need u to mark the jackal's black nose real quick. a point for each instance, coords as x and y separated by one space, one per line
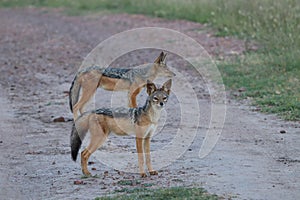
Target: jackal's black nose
161 103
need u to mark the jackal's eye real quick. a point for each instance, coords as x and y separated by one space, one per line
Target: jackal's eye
165 99
155 99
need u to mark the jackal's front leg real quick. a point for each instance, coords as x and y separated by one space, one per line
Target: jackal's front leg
148 157
132 94
139 148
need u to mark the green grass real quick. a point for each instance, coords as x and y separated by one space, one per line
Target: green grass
274 89
162 194
270 76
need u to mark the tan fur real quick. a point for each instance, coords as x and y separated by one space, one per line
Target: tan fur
91 80
100 125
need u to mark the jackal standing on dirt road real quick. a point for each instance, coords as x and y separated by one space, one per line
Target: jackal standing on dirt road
114 79
141 121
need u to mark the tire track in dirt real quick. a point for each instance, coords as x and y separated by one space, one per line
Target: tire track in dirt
10 140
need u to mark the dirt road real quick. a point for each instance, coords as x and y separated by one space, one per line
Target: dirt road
40 51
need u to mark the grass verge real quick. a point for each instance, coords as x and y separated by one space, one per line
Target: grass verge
270 76
270 87
162 194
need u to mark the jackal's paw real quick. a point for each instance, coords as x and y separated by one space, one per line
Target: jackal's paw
86 173
143 175
153 172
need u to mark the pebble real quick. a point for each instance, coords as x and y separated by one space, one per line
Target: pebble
79 182
282 131
242 89
120 173
59 119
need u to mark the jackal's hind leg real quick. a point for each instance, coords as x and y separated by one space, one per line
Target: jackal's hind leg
85 154
98 136
88 88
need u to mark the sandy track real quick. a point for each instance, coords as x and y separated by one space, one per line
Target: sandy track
40 52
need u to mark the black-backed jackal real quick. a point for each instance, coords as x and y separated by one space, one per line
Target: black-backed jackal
114 79
141 121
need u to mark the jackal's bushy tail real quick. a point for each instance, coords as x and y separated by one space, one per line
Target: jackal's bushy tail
79 130
74 93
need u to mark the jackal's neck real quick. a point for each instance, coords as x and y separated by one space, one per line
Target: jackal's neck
150 72
153 114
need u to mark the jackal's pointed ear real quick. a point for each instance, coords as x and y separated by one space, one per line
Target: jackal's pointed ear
150 87
161 58
167 86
